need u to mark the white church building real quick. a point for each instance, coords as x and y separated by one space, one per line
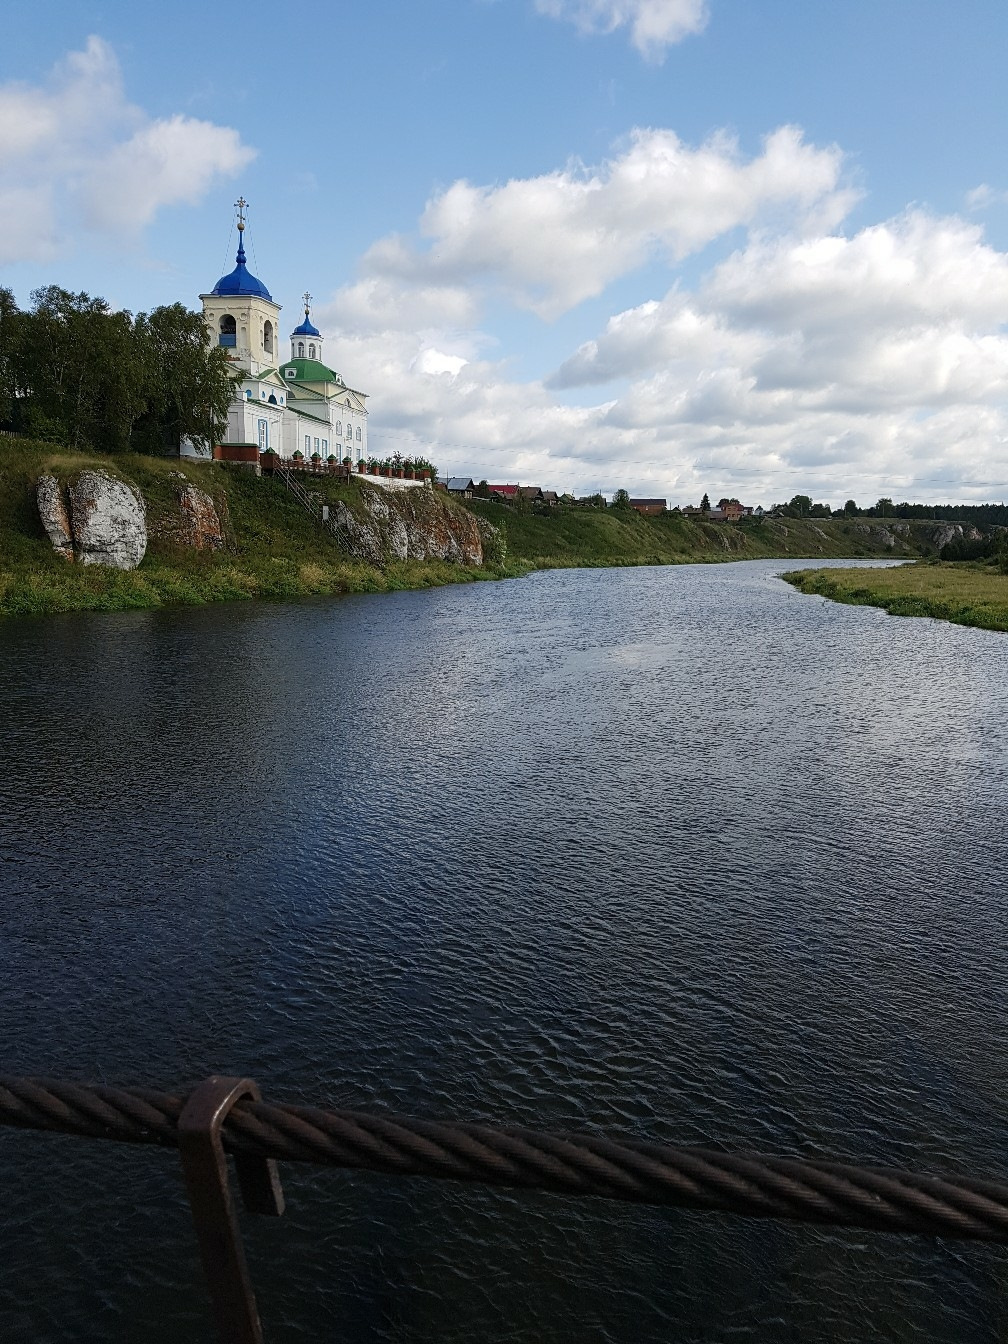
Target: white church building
300 406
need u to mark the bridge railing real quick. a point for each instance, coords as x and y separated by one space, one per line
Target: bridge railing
224 1116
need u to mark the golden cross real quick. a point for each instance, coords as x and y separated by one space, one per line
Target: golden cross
307 302
241 205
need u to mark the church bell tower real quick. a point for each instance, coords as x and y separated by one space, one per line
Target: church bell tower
240 314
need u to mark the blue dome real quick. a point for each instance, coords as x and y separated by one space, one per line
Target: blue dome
241 281
306 329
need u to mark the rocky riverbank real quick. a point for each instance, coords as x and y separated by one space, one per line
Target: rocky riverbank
81 533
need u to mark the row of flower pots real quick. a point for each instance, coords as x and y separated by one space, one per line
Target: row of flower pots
400 473
318 463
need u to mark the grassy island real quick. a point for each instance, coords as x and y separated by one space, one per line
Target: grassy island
966 593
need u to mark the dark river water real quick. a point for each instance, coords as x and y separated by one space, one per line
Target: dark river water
673 852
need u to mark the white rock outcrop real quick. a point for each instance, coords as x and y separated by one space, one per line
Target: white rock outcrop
108 520
55 517
416 525
98 520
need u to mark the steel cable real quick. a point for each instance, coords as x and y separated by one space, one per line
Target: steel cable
747 1184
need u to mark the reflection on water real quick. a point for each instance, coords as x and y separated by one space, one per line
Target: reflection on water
678 852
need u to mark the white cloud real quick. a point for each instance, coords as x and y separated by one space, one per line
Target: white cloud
75 150
655 25
808 359
552 241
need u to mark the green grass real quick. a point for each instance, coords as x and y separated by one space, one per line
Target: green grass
968 594
274 550
600 537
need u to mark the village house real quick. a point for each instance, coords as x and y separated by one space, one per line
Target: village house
460 486
506 493
649 506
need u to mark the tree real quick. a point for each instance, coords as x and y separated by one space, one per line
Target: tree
73 371
189 383
800 506
850 508
8 328
621 499
705 504
884 507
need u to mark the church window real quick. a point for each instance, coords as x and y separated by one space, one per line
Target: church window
325 447
338 428
228 331
307 444
311 352
268 338
316 445
248 394
300 349
358 432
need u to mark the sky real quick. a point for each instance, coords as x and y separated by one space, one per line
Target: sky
751 248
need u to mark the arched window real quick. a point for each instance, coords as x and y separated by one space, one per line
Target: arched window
268 338
311 352
228 330
300 349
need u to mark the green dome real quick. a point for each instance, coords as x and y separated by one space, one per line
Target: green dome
308 371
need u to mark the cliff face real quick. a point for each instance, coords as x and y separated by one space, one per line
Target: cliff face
98 520
417 525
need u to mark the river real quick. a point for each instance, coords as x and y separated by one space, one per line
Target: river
673 852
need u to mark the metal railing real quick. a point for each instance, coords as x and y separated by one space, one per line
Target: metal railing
227 1116
311 504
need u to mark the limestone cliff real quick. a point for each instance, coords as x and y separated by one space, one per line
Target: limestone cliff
417 525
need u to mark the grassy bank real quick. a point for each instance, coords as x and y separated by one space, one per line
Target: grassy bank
968 594
274 549
601 537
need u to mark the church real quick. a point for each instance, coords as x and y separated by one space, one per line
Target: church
298 407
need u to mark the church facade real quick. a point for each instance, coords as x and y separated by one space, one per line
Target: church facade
292 406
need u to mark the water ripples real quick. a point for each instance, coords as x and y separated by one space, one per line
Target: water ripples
677 852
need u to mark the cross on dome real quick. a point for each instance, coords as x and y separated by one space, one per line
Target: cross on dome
307 327
241 280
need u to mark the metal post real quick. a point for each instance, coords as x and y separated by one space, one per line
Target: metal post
204 1167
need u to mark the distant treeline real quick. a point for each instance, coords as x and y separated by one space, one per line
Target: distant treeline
982 516
74 372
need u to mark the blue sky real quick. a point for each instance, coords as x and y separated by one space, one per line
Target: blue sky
747 248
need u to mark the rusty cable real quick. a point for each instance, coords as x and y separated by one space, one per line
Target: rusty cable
747 1184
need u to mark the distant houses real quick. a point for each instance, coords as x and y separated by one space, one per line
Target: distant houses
648 506
727 511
